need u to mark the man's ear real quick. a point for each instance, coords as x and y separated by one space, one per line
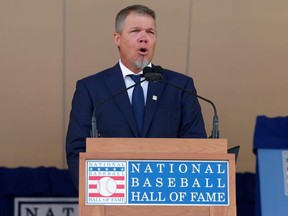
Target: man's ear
117 39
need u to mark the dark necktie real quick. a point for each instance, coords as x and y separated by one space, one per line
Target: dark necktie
138 103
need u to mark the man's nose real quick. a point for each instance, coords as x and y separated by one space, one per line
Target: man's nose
143 38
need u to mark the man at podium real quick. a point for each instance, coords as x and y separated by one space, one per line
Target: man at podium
149 109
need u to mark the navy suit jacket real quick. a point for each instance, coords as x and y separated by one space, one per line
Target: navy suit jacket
169 112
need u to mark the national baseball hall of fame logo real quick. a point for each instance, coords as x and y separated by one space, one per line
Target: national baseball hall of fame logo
157 182
105 182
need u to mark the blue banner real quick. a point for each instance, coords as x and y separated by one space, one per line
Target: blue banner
157 182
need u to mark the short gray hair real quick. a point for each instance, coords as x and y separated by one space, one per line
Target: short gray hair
139 9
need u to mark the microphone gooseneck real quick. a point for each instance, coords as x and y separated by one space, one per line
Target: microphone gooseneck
155 74
94 129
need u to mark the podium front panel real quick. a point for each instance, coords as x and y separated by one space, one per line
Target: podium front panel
157 149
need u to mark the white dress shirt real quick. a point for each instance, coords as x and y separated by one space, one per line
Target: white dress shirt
129 82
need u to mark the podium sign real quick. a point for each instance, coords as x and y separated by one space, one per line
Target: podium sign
157 182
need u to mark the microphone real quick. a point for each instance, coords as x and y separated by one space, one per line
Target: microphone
155 74
94 129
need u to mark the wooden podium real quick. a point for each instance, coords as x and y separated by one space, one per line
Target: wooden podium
156 149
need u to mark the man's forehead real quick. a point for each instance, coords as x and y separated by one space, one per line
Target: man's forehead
135 20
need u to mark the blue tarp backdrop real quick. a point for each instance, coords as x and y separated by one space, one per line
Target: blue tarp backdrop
270 139
33 182
53 182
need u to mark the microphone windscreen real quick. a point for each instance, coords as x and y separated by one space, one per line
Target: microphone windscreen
151 75
158 69
147 70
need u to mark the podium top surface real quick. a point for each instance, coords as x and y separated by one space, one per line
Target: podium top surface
156 145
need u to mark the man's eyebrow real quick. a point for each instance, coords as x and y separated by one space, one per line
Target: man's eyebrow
137 27
153 29
133 28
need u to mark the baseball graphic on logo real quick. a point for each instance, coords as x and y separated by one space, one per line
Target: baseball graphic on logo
106 186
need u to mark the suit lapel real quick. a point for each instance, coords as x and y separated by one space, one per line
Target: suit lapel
115 84
155 90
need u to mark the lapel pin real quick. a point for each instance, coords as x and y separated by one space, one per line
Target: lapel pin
154 97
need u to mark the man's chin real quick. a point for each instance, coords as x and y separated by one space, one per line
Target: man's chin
141 63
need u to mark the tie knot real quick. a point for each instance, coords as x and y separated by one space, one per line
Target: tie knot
136 78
